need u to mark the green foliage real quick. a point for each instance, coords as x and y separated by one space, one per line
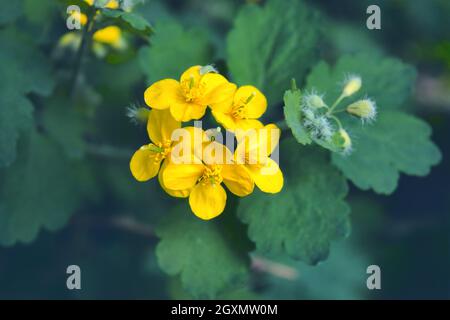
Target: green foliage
395 142
388 81
293 115
37 191
268 46
341 276
173 50
133 21
294 119
209 256
306 215
66 126
10 11
25 71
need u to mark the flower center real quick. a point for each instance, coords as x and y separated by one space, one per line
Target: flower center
239 108
211 175
161 150
192 91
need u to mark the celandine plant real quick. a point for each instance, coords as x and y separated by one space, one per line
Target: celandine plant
265 173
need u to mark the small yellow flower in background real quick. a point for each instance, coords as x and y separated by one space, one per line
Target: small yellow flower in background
247 106
207 198
254 150
151 158
111 4
188 98
111 35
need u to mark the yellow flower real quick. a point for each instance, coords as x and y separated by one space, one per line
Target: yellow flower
188 98
111 4
254 150
248 104
151 158
111 35
207 198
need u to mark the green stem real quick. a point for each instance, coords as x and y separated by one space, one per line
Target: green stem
86 37
330 110
336 120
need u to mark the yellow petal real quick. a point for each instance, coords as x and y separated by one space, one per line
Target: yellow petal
246 124
221 99
268 178
143 164
70 39
273 137
188 145
259 143
191 76
182 176
186 111
237 179
112 4
162 94
224 119
217 91
207 200
173 193
110 35
255 101
216 153
160 125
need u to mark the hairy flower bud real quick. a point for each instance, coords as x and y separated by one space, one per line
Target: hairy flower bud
343 141
314 101
138 114
352 85
365 109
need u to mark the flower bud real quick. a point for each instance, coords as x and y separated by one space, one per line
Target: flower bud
314 101
343 141
138 114
352 85
365 109
208 69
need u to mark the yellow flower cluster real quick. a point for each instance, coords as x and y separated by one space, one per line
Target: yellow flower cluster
109 36
190 162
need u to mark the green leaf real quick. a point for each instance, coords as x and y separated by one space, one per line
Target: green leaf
210 256
294 116
24 70
134 21
270 45
173 50
388 81
292 113
306 215
396 142
38 191
66 126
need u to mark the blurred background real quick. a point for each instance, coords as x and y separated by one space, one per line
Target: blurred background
111 236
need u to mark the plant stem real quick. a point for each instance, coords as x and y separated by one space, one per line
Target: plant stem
337 120
330 110
85 40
